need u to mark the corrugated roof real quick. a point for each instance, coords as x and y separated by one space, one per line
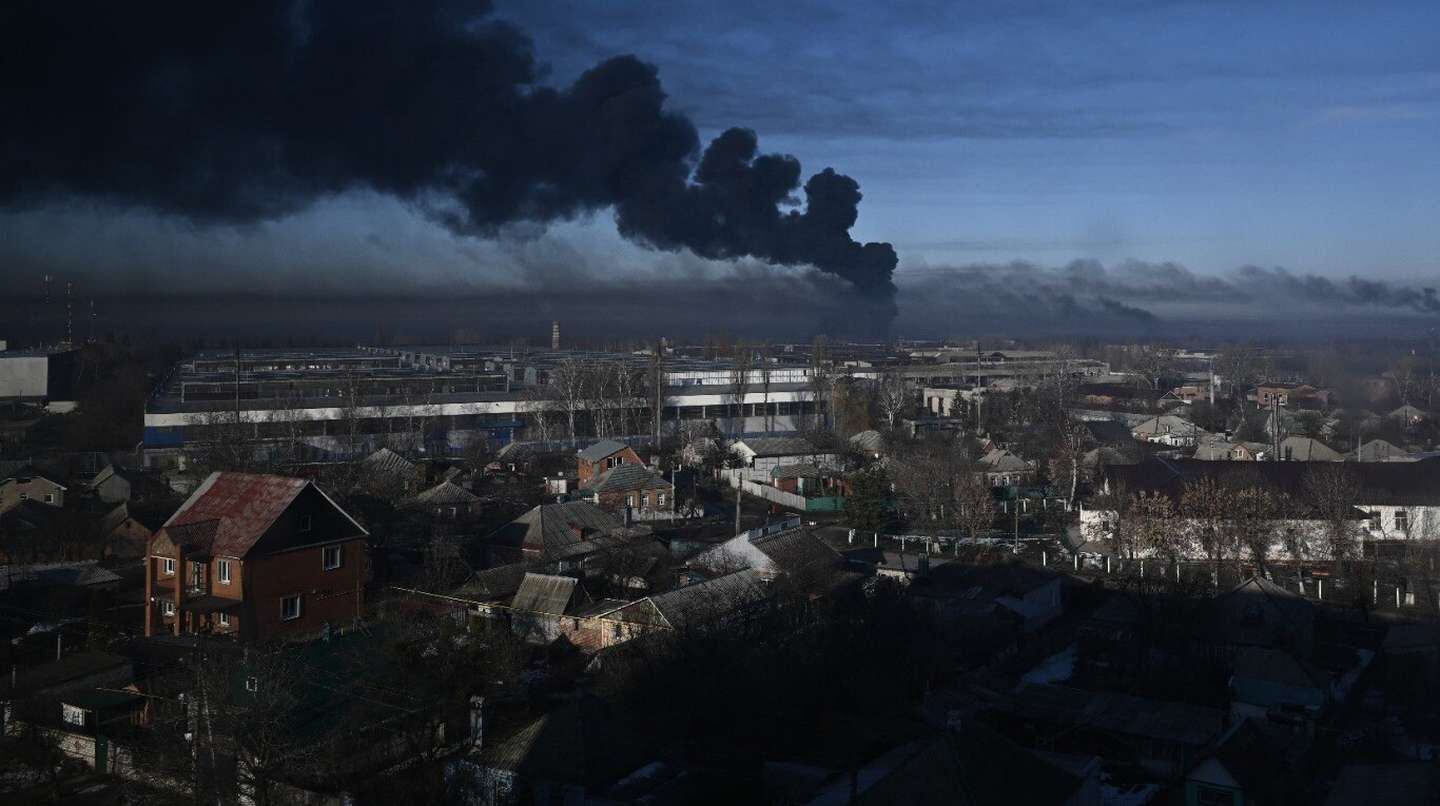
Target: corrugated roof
447 493
1162 720
626 478
544 593
802 470
549 528
229 512
601 449
390 463
780 446
694 604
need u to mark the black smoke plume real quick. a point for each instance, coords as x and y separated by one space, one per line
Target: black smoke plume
237 112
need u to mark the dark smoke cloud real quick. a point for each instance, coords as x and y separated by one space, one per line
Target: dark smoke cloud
1127 288
240 112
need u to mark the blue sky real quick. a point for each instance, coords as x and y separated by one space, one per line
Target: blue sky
1220 134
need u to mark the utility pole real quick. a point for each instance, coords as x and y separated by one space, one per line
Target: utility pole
658 371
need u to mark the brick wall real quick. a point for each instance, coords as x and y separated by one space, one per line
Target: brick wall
325 596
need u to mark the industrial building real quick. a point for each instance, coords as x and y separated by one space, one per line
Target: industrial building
339 403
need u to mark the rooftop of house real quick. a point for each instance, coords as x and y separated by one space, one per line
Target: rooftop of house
389 463
697 603
549 528
230 512
628 478
545 593
446 493
799 470
601 449
999 460
778 446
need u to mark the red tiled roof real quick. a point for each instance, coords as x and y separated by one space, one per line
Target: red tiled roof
242 506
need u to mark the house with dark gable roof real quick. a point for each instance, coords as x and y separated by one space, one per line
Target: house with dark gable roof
257 557
603 456
635 490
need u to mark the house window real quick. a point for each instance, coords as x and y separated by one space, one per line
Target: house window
73 715
305 523
197 570
660 499
24 496
630 501
252 684
223 619
49 498
1402 520
332 558
222 571
168 565
290 607
167 608
1373 524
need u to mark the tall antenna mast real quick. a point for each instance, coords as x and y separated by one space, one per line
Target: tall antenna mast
69 314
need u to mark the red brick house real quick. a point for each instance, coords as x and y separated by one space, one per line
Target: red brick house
607 454
647 495
256 557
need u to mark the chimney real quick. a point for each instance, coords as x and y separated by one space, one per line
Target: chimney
555 335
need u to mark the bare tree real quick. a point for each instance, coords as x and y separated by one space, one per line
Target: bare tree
1153 363
1204 504
1331 493
568 378
742 361
1148 523
894 395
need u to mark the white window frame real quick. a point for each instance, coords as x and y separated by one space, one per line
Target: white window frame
167 566
630 500
167 608
325 558
1401 519
252 684
223 619
222 571
299 607
72 714
659 499
24 496
49 498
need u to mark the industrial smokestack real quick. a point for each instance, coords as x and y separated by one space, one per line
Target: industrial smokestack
555 335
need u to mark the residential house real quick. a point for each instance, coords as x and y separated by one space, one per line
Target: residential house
447 500
546 530
602 457
1409 415
1307 449
1378 450
1003 468
257 557
1257 613
949 401
686 608
123 535
907 566
389 473
1013 592
870 444
809 480
1262 679
787 548
763 454
634 491
540 604
1112 395
1292 395
31 484
1168 429
1247 767
1221 450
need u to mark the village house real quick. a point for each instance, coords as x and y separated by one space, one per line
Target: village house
31 484
1168 429
447 500
1292 395
545 531
1003 468
256 557
602 457
633 491
761 455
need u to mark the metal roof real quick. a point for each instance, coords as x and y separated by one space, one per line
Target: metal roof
544 593
625 478
601 449
229 512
